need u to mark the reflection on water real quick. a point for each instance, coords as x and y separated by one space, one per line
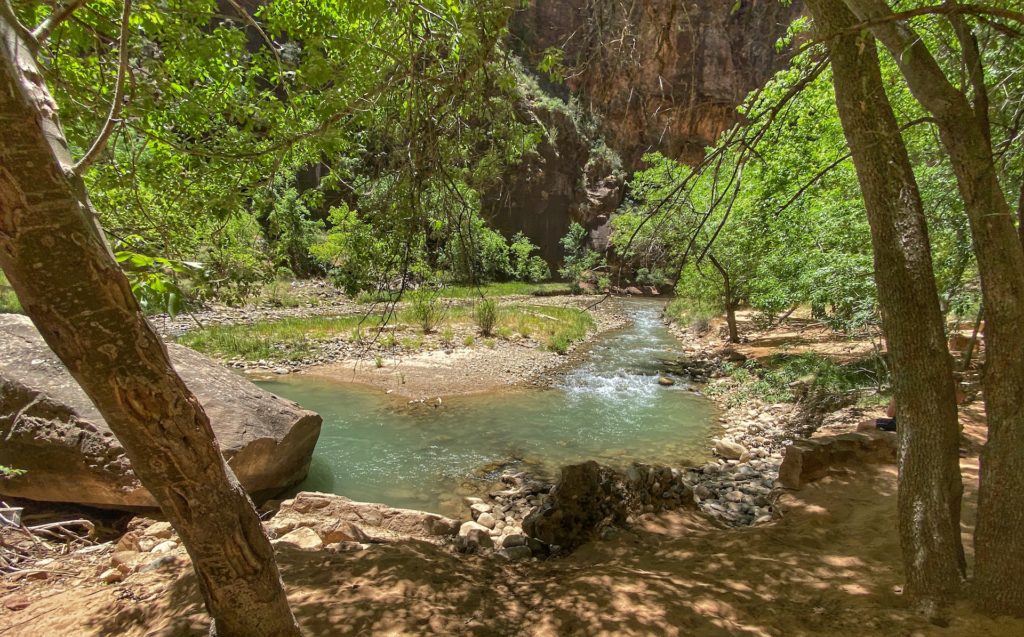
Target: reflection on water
610 408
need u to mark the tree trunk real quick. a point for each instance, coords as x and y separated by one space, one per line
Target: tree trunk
965 133
930 486
730 304
61 268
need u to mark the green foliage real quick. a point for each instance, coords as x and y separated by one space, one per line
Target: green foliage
426 309
523 264
580 261
775 379
486 313
8 472
222 129
787 223
8 299
155 280
291 232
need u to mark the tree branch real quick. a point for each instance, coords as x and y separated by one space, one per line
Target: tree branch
118 99
8 12
42 32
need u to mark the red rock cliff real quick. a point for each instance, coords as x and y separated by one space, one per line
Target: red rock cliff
663 74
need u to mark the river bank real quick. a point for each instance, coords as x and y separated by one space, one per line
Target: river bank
824 560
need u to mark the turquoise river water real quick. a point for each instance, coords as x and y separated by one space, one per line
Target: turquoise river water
609 408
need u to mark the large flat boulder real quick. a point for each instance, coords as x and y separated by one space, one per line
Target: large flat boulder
51 429
335 515
811 459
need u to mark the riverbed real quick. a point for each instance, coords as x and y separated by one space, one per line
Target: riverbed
609 407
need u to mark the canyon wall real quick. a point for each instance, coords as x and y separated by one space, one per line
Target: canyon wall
662 74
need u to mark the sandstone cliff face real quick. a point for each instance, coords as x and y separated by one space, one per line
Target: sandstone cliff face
664 74
568 177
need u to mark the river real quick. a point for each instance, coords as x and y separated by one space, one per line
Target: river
609 408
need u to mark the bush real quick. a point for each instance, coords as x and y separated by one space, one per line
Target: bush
487 316
426 309
580 261
525 266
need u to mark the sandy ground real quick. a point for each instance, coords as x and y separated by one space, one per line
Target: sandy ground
508 362
445 373
829 566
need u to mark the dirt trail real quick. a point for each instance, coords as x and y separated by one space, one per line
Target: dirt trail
830 566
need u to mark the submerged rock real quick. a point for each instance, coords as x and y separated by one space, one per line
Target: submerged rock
51 429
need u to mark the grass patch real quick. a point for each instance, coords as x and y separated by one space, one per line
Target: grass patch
288 339
776 378
557 327
509 288
695 317
294 339
279 293
8 300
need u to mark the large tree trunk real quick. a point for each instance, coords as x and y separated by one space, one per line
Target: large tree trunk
965 133
65 276
930 486
730 305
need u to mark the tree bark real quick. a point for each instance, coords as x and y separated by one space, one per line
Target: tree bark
730 305
60 266
930 486
965 133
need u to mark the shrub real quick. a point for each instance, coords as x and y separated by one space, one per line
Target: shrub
559 342
426 309
487 316
447 337
525 266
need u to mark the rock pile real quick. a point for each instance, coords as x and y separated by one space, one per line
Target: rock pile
533 518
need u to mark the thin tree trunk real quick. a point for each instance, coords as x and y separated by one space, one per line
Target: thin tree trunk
965 133
930 486
730 305
61 268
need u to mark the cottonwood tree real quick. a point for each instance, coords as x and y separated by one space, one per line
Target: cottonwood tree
930 486
65 276
964 129
202 106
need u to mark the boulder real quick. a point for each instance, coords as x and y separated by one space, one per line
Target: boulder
586 497
303 538
515 553
473 536
322 512
52 430
729 450
811 459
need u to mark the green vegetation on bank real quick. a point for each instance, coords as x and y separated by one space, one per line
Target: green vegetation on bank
296 339
789 377
486 290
